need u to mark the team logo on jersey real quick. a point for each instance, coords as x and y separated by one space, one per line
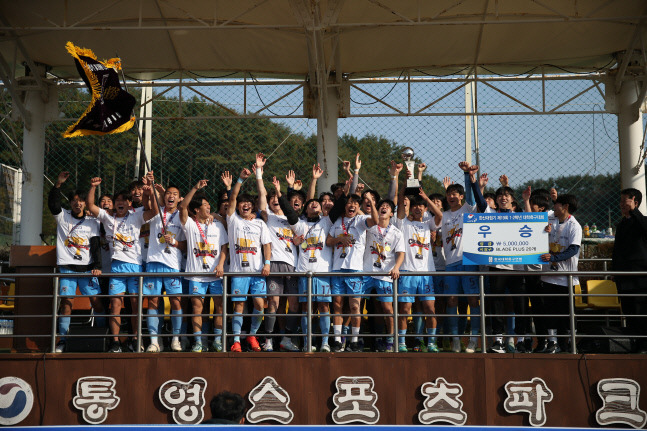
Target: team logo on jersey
378 250
125 240
313 244
16 400
286 235
244 247
78 244
203 250
419 241
453 234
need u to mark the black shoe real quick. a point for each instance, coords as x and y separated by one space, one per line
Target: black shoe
335 346
552 347
353 347
497 347
528 344
379 345
521 347
541 347
115 347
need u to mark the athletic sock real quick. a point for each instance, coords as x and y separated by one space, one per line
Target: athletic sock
336 329
355 330
431 331
270 321
236 325
257 318
153 322
324 327
401 338
176 321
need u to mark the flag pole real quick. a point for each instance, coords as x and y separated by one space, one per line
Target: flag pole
142 150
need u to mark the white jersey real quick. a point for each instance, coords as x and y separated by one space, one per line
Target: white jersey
203 256
351 257
122 234
315 255
452 233
158 250
561 236
383 244
73 238
144 236
417 244
283 248
246 238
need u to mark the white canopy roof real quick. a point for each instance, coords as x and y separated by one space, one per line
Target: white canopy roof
155 38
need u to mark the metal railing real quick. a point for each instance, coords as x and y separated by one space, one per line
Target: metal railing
483 296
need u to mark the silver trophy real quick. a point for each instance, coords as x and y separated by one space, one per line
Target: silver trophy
412 182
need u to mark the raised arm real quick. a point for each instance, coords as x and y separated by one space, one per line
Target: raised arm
402 213
358 166
394 172
184 204
421 170
244 174
153 208
526 199
483 180
432 207
316 174
54 197
94 210
260 186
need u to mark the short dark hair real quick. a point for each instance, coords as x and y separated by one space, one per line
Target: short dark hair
354 198
542 201
376 195
227 405
246 197
330 195
541 192
389 202
489 195
105 195
82 194
633 193
336 187
569 200
173 186
416 200
455 188
125 194
136 184
196 202
298 193
441 198
504 191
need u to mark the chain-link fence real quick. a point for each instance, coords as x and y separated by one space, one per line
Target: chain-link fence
203 127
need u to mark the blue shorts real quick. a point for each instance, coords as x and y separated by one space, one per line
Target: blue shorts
320 289
381 288
439 284
119 285
153 285
247 286
202 287
347 284
467 284
88 286
415 285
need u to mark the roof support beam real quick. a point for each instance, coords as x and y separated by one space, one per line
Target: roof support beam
7 77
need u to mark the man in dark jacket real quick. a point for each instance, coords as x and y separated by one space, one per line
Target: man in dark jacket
226 408
630 254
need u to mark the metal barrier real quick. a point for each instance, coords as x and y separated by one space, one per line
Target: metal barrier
483 296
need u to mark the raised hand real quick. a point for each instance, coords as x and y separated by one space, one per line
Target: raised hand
62 177
201 184
317 172
465 167
298 185
422 167
447 182
473 169
553 194
483 180
359 189
423 194
245 173
526 194
94 182
290 178
276 183
503 179
260 160
358 162
160 188
346 165
227 179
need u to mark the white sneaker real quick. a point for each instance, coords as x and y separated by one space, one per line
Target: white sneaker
288 346
176 346
325 348
313 349
60 347
268 346
456 345
153 348
471 346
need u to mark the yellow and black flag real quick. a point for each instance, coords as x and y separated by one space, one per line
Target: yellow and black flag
111 107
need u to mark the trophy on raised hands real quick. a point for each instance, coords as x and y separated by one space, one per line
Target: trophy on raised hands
413 185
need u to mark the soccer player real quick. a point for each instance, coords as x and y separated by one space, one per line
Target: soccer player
122 233
207 247
348 239
77 251
315 256
387 251
166 245
565 239
248 237
284 259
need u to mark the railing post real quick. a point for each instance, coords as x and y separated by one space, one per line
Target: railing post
482 314
54 315
309 313
571 307
140 296
396 317
225 286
